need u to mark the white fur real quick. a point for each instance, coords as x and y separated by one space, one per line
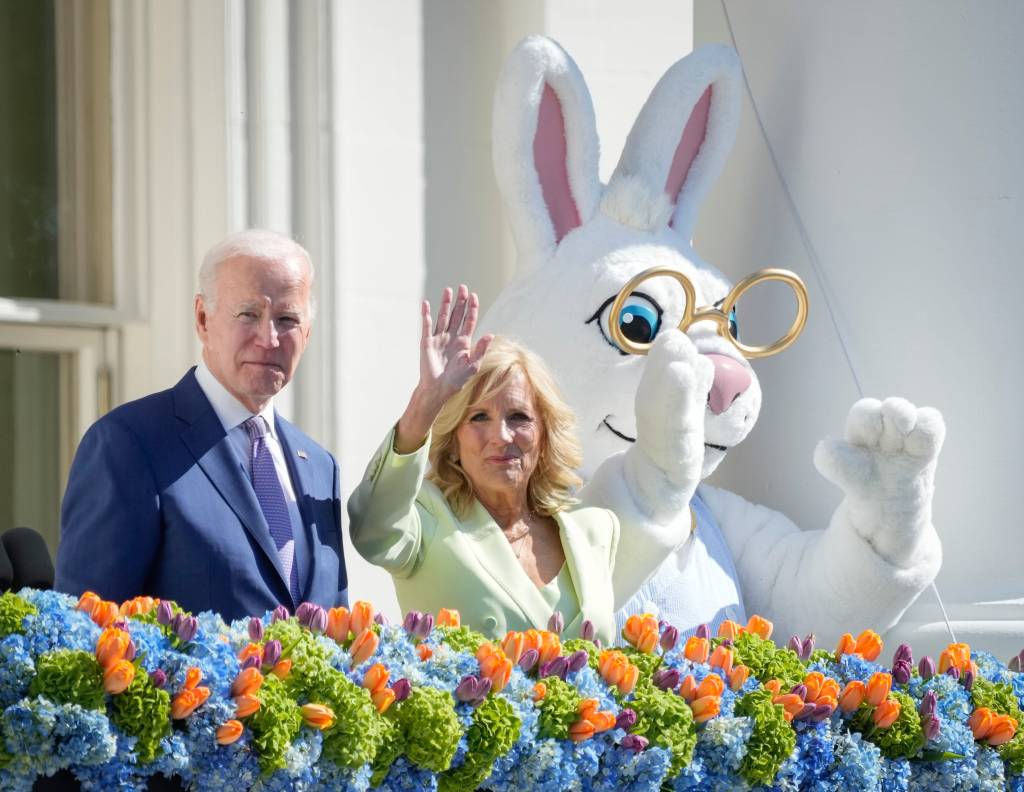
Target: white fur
879 549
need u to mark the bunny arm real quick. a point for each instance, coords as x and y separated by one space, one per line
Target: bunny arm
828 581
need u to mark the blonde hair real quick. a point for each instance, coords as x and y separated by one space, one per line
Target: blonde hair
554 480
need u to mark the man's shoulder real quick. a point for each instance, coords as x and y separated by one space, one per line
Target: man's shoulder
303 443
144 416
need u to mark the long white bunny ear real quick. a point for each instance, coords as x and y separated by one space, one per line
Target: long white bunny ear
545 146
681 138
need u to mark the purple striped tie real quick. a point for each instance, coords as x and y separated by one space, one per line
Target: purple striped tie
271 497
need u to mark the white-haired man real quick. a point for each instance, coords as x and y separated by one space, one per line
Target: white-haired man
203 494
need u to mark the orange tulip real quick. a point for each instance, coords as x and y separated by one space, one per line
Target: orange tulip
193 677
581 730
981 722
587 707
448 617
1002 731
629 679
532 639
88 602
514 645
697 649
711 685
494 665
886 713
118 677
250 650
550 647
760 626
790 702
639 629
688 688
602 721
721 658
111 646
813 682
852 696
383 698
878 688
229 732
738 677
705 708
774 685
424 651
869 645
318 716
364 646
729 629
376 677
361 616
338 624
847 645
648 641
611 665
282 669
540 690
105 613
246 705
188 701
249 680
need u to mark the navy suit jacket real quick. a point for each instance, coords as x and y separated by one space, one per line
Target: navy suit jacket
158 503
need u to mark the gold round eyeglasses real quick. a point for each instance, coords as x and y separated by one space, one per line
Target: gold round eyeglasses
719 315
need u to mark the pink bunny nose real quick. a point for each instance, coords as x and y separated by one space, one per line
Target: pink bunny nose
731 379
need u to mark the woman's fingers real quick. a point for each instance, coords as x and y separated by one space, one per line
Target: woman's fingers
472 309
442 313
425 322
458 312
480 348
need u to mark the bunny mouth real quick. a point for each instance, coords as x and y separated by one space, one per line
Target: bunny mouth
629 439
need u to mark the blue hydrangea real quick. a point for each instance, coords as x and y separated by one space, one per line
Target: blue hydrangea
626 771
16 669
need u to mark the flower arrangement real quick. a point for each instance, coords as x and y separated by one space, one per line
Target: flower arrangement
340 699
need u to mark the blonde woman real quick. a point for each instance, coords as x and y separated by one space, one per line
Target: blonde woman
468 503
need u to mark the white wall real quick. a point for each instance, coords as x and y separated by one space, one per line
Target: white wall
897 128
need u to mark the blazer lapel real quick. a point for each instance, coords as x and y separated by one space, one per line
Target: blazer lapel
205 438
592 590
496 557
302 473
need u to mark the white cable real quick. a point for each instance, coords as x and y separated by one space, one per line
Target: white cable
812 257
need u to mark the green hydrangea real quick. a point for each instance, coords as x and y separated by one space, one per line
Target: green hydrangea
999 697
13 610
767 661
575 644
70 677
143 711
665 719
462 639
647 662
275 724
297 642
771 741
903 739
559 709
494 731
430 728
391 747
825 656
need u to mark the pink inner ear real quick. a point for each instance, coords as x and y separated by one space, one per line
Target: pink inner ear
549 158
689 145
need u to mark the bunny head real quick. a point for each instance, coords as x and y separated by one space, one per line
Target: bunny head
579 241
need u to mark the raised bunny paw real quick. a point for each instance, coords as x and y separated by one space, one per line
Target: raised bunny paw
886 467
670 405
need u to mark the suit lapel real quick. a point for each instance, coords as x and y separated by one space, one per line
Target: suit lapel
302 474
210 446
595 604
497 559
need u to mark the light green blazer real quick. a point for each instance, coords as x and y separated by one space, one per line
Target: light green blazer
403 523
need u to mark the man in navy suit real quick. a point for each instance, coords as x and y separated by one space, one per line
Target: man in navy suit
202 494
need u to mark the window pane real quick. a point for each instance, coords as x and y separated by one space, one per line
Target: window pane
30 441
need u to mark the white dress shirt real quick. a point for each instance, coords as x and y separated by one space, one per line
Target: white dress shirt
233 415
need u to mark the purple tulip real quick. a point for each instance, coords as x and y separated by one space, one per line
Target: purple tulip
271 653
903 653
466 689
411 620
669 638
158 678
425 626
954 672
926 668
252 661
1016 662
634 743
304 613
556 623
318 620
666 678
164 613
968 679
726 642
578 660
901 672
800 690
587 631
255 630
928 704
528 659
703 631
281 613
626 719
380 618
822 712
796 645
129 653
931 726
808 646
806 712
186 629
558 667
402 688
483 687
120 624
598 643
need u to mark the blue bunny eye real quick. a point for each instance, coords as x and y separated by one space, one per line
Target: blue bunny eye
734 329
639 319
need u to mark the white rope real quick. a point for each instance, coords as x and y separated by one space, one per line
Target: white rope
812 257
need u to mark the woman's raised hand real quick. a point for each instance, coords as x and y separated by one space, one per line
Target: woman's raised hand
448 358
